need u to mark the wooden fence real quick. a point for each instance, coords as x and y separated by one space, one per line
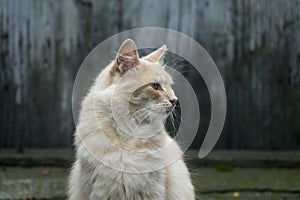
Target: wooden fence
255 44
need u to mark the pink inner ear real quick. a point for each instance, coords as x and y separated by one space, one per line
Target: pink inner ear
127 57
125 64
128 49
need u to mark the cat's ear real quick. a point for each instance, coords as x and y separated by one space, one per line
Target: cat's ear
156 56
127 57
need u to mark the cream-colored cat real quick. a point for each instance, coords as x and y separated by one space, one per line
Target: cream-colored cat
122 149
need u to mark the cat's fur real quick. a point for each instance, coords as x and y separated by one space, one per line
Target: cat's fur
117 164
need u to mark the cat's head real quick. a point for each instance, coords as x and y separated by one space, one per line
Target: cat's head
146 81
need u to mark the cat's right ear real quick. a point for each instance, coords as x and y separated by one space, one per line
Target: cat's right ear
127 57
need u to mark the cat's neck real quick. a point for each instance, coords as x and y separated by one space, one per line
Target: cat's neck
138 140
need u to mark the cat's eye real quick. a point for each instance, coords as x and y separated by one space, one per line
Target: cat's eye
155 86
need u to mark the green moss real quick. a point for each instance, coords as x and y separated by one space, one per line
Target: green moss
224 167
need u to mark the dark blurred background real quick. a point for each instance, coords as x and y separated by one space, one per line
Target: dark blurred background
255 44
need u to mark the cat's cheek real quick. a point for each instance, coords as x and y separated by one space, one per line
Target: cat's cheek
155 96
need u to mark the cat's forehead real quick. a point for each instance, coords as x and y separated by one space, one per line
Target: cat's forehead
156 72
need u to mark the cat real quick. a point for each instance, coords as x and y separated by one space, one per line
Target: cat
123 151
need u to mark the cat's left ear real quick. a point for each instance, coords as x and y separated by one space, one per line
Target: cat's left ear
156 56
127 57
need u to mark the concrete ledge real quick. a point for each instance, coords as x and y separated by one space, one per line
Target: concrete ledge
222 175
253 159
245 159
210 184
37 157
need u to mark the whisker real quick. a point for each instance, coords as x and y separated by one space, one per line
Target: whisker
143 118
140 110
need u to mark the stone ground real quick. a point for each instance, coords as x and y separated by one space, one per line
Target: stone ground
221 176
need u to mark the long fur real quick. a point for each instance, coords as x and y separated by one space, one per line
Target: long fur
114 165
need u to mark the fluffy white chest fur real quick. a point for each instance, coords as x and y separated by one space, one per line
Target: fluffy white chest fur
112 165
90 179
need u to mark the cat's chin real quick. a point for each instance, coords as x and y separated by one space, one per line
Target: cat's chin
143 130
153 121
169 111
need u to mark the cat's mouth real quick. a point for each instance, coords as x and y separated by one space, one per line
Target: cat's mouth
169 109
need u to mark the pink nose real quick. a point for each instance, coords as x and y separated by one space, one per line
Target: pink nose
173 101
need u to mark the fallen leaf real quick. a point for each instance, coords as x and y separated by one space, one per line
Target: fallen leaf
46 172
236 194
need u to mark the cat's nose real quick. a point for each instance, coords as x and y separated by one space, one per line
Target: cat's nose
173 101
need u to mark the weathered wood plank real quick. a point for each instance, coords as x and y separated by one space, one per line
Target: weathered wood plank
255 44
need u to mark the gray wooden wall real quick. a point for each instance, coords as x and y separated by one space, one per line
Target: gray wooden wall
255 44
